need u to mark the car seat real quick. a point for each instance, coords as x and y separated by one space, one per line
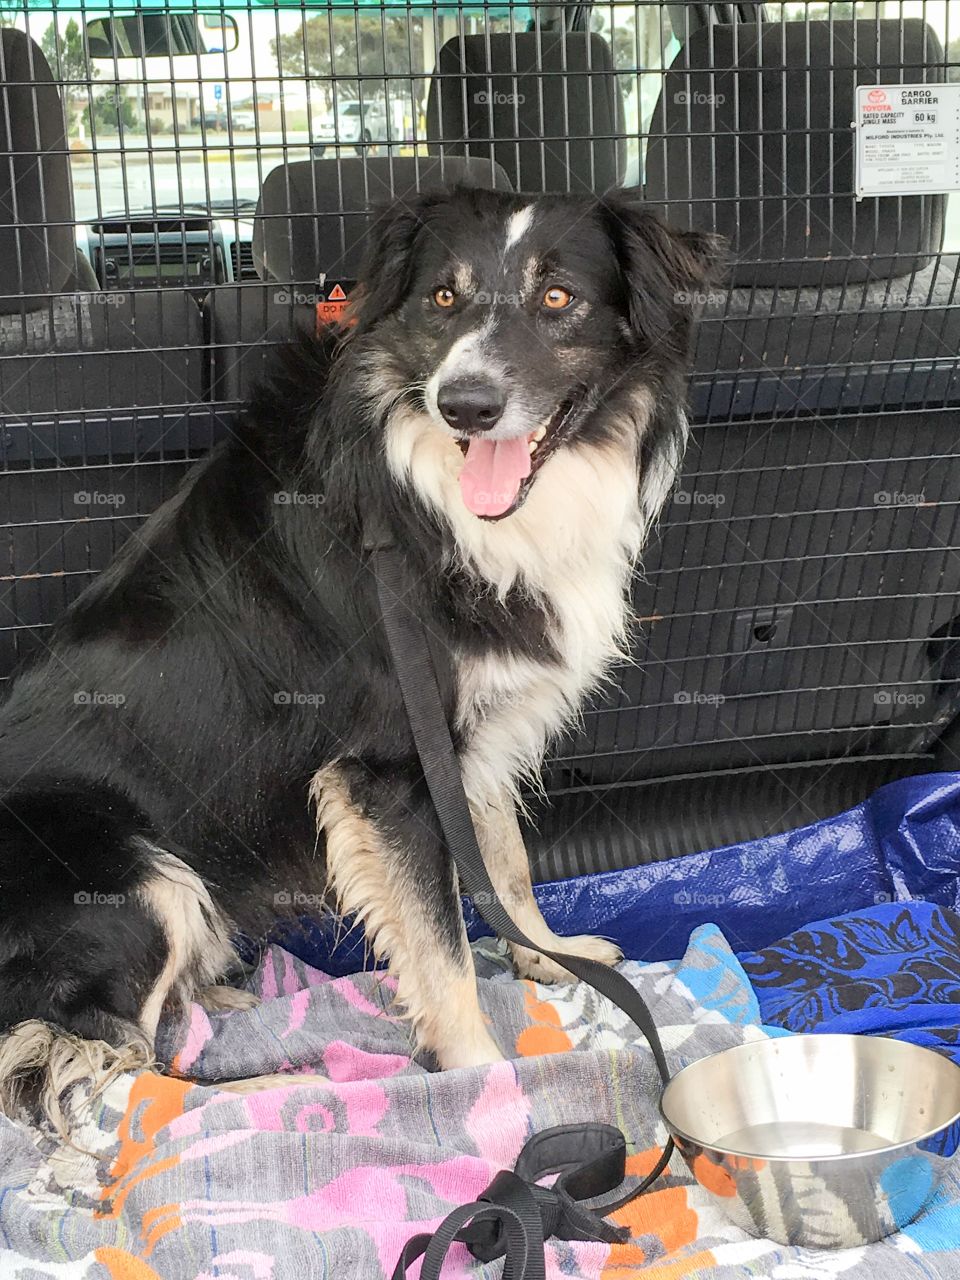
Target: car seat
545 105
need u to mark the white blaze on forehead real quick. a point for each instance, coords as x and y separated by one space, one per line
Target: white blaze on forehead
518 224
463 279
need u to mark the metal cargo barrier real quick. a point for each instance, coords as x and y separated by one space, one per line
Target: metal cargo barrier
182 187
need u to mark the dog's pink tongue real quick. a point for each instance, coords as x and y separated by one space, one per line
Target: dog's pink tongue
493 473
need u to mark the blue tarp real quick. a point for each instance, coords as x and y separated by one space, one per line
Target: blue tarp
902 844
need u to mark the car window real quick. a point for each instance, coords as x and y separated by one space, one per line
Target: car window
644 42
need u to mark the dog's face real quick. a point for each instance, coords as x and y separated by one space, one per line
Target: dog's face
510 322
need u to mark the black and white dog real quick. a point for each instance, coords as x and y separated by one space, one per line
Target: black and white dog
215 727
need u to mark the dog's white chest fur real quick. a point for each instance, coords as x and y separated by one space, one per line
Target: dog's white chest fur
572 546
509 707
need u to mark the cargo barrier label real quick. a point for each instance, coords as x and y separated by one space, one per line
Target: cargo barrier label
907 139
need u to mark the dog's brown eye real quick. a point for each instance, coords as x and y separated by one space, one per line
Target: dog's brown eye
444 297
556 299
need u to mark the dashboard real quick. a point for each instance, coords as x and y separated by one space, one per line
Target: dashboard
166 250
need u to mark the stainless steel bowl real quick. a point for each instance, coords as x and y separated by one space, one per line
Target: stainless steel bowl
818 1140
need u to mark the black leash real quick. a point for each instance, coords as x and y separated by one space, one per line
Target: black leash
514 1216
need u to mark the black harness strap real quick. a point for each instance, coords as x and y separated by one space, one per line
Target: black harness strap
514 1216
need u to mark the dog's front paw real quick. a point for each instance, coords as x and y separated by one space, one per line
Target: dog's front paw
540 968
478 1050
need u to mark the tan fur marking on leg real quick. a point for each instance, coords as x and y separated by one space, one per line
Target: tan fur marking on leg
198 938
505 857
437 994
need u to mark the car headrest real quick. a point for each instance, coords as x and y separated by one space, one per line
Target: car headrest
751 137
312 217
38 252
546 106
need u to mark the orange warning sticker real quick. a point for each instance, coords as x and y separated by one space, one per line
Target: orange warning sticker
332 308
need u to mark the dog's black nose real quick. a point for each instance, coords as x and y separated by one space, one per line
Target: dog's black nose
469 404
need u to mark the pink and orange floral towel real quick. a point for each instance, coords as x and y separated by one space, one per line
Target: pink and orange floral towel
180 1180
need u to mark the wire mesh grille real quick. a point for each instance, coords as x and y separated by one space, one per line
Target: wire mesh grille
799 602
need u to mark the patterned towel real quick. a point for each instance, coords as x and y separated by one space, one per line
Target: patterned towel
181 1180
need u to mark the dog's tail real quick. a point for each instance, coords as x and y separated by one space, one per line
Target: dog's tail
99 927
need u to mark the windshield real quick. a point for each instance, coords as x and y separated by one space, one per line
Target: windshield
268 85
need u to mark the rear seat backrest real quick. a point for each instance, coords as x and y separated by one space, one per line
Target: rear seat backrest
38 253
312 217
309 232
751 137
545 105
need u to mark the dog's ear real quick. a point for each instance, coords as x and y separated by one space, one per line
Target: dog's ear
388 260
668 274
